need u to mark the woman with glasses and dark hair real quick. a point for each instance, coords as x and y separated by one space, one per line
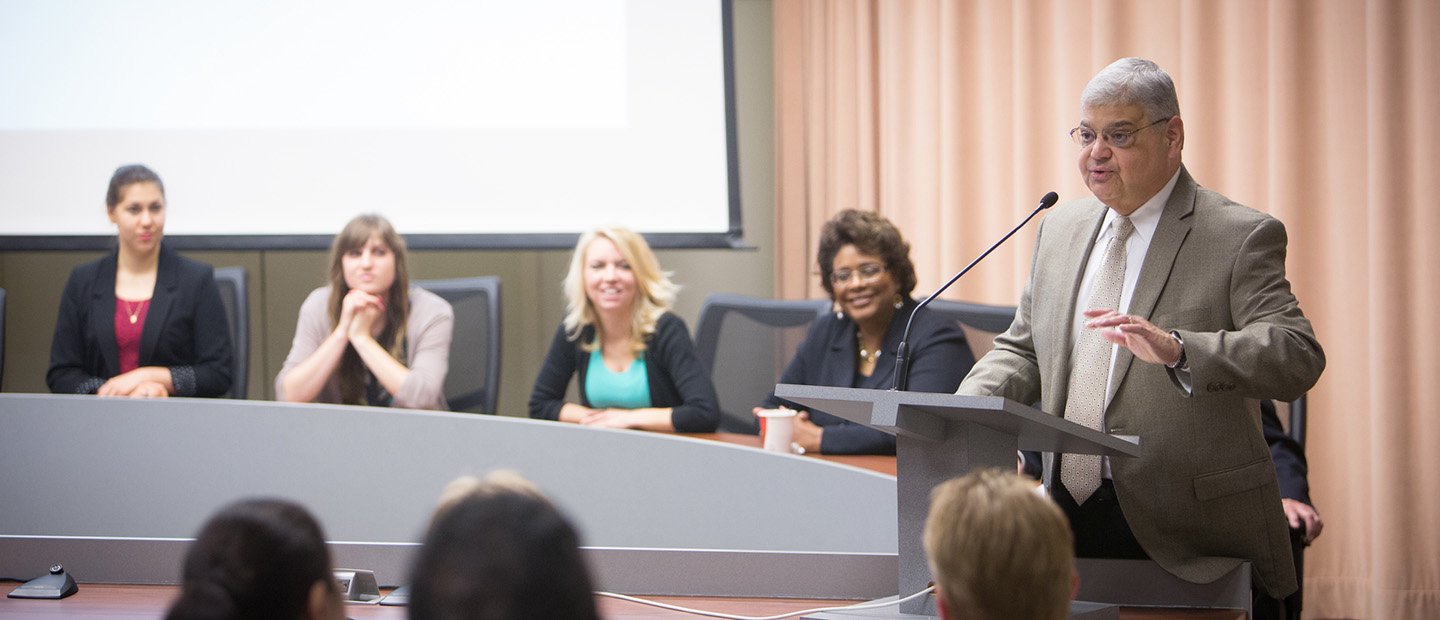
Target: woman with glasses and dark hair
865 266
369 338
144 321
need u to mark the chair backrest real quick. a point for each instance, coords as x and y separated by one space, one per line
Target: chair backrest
473 382
1296 426
2 338
745 343
234 296
981 322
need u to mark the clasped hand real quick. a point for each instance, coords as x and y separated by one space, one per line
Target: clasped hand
609 418
360 313
134 385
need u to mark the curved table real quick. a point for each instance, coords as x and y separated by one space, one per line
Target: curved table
115 489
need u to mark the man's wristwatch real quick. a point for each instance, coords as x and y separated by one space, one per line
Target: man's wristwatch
1183 363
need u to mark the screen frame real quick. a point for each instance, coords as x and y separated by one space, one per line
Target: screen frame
731 238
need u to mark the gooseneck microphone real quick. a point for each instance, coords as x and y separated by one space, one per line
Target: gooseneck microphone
902 353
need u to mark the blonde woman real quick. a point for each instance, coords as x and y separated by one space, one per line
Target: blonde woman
369 338
635 361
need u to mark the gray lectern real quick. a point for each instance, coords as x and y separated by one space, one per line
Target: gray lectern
940 436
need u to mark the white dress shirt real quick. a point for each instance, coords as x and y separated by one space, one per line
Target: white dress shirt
1145 219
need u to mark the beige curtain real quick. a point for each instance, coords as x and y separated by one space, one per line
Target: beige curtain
950 118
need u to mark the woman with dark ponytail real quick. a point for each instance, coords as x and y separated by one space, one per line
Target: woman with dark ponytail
259 558
143 321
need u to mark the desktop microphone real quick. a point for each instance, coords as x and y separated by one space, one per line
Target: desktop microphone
902 354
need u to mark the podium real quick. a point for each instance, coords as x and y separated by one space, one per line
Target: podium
940 436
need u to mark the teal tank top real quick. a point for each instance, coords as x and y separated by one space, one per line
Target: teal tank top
607 389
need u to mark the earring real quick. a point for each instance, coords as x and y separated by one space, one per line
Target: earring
839 315
899 301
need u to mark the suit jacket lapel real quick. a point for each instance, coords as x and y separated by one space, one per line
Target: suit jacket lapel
842 351
1078 242
102 313
167 283
1159 261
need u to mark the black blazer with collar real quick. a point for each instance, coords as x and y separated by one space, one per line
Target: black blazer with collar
939 359
185 329
677 378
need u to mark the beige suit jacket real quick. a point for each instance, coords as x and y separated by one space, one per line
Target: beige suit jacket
1203 494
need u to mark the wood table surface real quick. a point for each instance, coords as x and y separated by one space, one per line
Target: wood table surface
129 602
881 463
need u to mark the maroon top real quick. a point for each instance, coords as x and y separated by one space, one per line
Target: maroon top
129 323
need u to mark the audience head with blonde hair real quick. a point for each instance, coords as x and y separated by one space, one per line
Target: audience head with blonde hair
498 481
998 549
498 550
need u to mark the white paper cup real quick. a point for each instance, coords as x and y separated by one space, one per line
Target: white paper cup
777 429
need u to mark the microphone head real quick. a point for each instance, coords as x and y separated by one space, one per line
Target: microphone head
1049 200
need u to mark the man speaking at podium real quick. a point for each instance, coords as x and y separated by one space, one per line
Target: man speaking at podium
1159 309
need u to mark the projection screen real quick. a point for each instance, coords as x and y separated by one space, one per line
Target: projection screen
466 123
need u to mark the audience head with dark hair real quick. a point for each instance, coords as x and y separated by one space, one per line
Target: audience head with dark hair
498 550
259 558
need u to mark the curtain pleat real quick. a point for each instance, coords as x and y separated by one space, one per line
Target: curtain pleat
950 118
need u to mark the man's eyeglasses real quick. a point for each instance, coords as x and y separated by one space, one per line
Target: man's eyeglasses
867 272
1116 138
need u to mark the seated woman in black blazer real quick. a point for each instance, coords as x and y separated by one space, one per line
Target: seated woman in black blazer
865 266
635 360
142 321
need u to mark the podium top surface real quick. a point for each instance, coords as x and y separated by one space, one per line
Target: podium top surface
927 415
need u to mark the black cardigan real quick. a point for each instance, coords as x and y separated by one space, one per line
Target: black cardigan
939 359
185 329
677 379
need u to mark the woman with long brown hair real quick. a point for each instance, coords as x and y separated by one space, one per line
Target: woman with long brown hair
369 338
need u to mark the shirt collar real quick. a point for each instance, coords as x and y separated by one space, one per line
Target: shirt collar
1147 218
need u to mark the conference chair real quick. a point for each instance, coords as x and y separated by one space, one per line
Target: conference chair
473 382
235 297
2 338
1295 428
981 322
1296 425
745 343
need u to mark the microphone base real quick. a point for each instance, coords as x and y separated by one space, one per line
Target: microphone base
51 586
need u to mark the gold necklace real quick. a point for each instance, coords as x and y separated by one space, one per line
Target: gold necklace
134 311
869 357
